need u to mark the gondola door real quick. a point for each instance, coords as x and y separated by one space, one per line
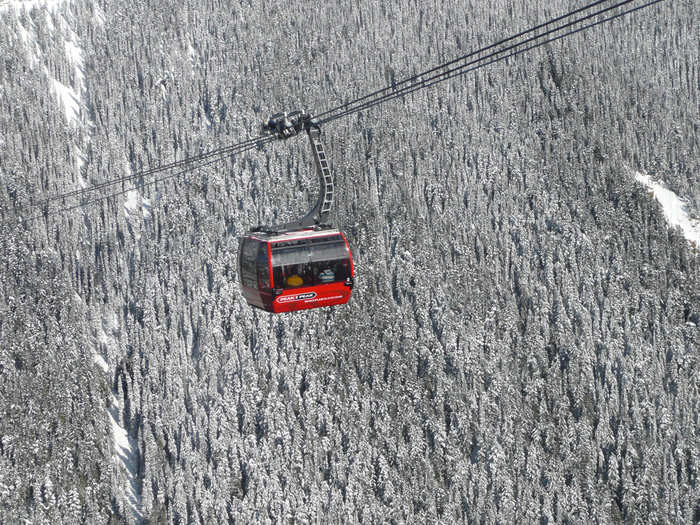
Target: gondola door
254 272
264 275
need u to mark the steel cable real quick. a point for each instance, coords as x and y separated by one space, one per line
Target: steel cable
404 87
464 57
220 152
496 56
58 211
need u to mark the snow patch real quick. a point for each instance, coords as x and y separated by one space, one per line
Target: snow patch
100 361
99 16
674 209
80 160
66 94
134 206
68 99
134 201
124 447
24 35
191 51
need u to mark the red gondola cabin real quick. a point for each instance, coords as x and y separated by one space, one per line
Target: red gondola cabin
296 270
303 264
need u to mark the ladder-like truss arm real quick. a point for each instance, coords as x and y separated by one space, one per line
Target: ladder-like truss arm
321 211
286 126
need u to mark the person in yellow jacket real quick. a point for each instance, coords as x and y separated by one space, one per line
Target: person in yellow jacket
294 281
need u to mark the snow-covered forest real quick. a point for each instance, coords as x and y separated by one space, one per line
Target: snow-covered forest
522 341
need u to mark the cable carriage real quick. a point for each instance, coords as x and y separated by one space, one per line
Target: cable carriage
304 264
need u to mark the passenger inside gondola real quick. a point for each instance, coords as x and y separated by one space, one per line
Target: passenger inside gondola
294 281
311 274
326 276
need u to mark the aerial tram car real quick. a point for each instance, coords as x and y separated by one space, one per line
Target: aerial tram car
303 264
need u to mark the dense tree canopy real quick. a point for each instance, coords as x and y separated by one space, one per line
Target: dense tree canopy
522 340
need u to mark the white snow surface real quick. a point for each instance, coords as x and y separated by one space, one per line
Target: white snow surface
134 202
674 209
124 447
68 98
99 16
100 361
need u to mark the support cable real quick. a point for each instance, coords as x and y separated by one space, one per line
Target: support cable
496 56
414 83
57 211
459 59
219 153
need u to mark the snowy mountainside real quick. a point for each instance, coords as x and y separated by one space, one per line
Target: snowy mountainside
521 345
49 45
